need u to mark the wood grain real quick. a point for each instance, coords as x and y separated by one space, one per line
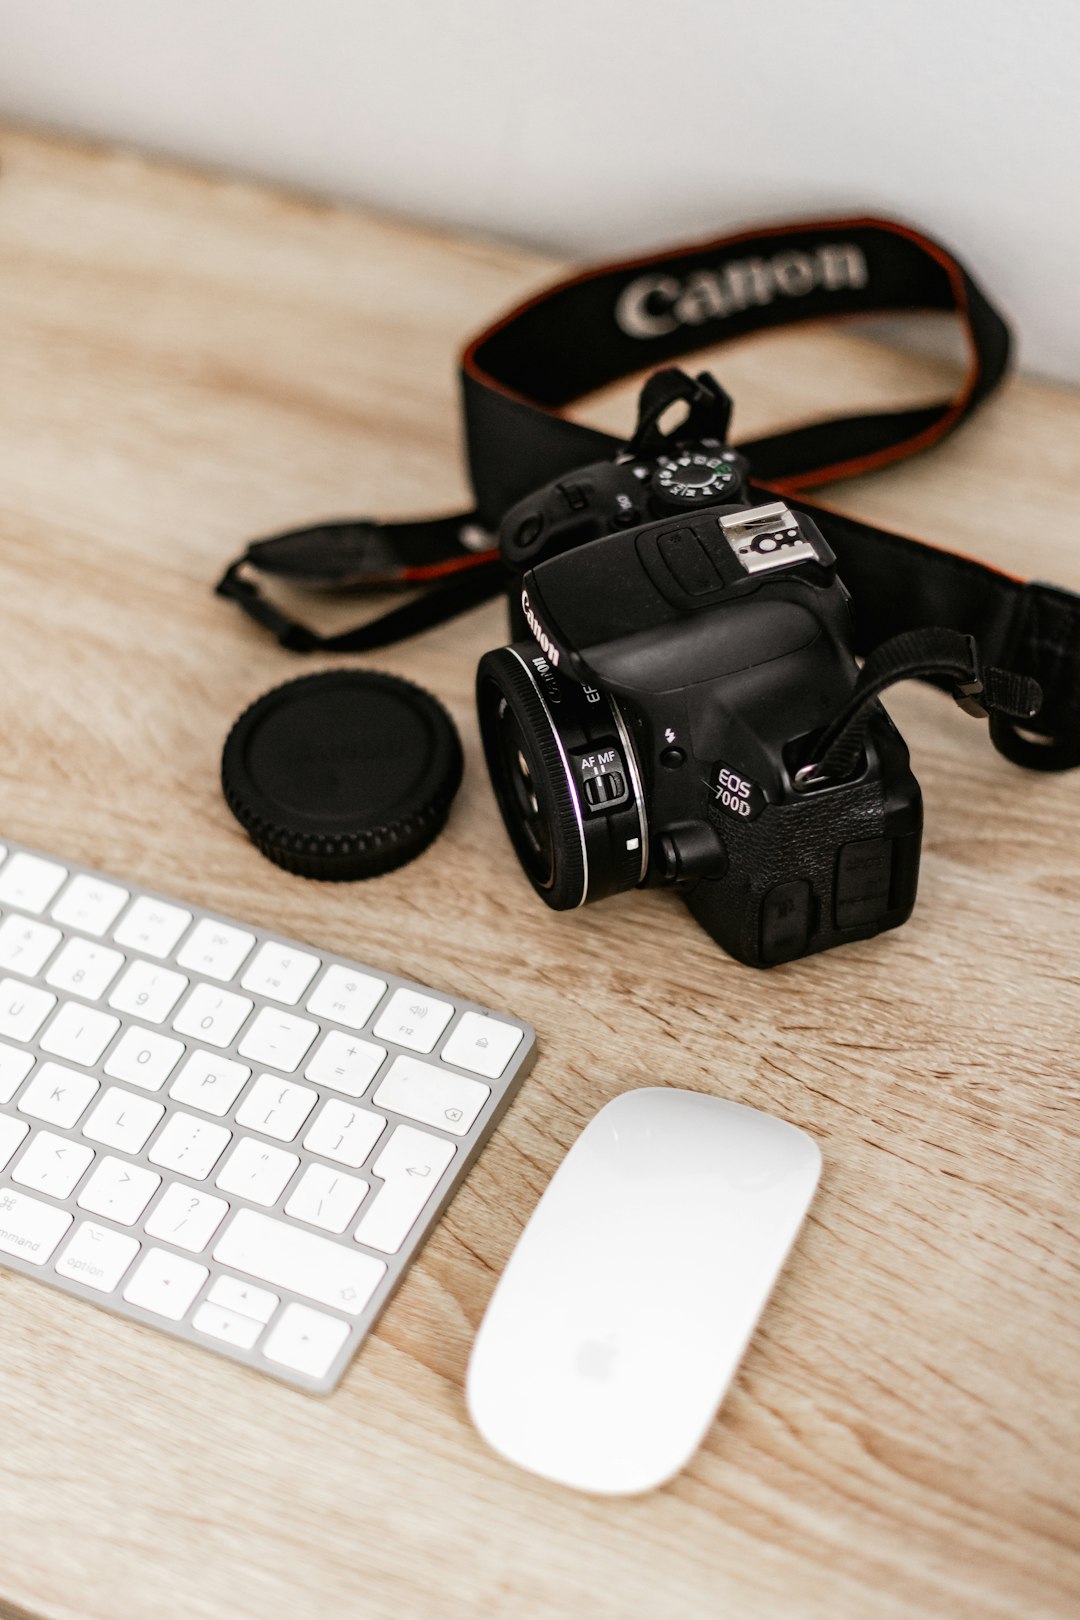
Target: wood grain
188 361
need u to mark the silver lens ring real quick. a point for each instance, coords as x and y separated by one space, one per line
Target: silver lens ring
571 786
635 785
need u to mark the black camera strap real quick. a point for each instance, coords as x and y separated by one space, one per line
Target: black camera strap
934 653
584 333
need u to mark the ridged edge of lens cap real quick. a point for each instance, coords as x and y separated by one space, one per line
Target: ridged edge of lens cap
342 775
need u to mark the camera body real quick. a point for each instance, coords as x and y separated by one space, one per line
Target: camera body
653 721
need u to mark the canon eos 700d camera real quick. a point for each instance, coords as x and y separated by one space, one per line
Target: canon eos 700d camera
677 653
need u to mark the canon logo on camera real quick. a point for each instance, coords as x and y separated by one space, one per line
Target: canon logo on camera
653 305
540 635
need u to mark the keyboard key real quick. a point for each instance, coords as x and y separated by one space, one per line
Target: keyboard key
53 1165
12 1132
278 1038
326 1198
189 1145
79 1033
212 1015
230 1328
484 1045
85 969
215 949
165 1284
144 1058
243 1298
29 1228
90 904
413 1020
280 972
149 992
257 1171
25 945
97 1256
15 1065
305 1340
411 1165
57 1095
433 1096
151 926
346 996
119 1190
186 1218
344 1133
345 1062
276 1107
122 1120
301 1262
29 882
23 1009
210 1082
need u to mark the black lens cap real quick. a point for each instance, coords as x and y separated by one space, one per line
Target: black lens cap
345 774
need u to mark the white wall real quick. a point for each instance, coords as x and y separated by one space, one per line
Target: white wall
593 126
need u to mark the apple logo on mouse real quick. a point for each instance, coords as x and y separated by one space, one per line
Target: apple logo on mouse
596 1358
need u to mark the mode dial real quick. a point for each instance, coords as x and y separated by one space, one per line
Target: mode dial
697 478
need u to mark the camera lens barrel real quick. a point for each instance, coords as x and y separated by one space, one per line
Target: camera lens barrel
565 776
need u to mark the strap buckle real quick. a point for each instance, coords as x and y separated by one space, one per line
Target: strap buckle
1045 642
966 694
291 635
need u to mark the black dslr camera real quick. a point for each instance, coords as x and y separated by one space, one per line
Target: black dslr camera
676 654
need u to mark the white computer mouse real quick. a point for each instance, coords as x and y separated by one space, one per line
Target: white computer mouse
633 1291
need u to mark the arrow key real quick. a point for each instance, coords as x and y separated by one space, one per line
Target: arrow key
305 1340
242 1298
231 1327
165 1284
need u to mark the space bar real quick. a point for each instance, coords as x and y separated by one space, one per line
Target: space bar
299 1261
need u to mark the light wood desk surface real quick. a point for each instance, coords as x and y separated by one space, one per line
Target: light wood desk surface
188 362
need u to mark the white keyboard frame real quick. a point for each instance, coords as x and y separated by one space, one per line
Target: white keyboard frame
467 1146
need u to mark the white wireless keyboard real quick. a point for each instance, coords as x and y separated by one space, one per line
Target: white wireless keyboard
220 1132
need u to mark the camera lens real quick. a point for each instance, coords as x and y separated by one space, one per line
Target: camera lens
565 777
